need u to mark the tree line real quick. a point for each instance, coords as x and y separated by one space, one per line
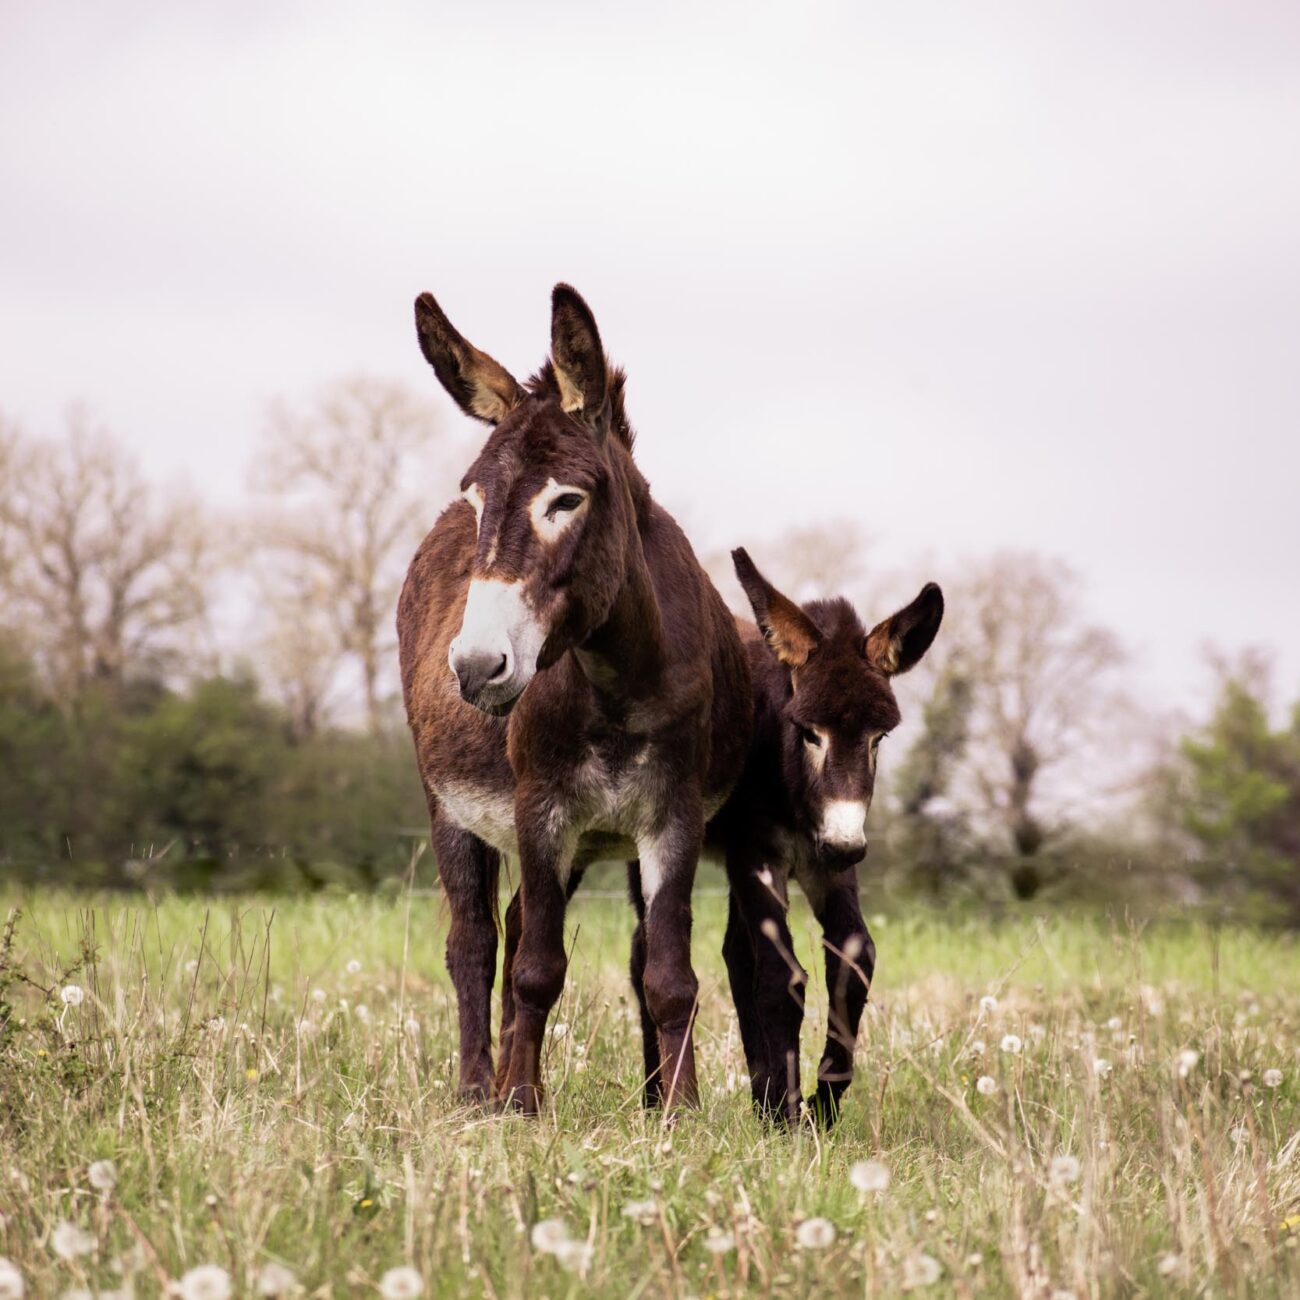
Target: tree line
203 697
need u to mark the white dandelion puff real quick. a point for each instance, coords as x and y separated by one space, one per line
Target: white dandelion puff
401 1283
1272 1078
1114 1023
275 1280
575 1256
1011 1043
73 995
12 1286
988 1003
920 1270
869 1176
318 996
206 1282
1101 1067
102 1175
1186 1061
412 1027
559 1031
815 1234
642 1212
717 1242
68 1240
549 1235
354 968
1238 1135
976 1048
986 1086
1063 1169
1168 1263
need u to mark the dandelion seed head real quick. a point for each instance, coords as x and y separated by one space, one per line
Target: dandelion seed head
1272 1078
354 968
559 1031
1011 1043
275 1280
976 1048
642 1211
717 1242
1186 1061
1101 1067
102 1175
549 1235
68 1240
206 1282
920 1270
869 1175
988 1003
575 1256
1238 1135
1064 1169
12 1286
318 996
73 995
412 1027
986 1086
401 1283
815 1234
1168 1263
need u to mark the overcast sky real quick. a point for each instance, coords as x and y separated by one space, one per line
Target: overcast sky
971 275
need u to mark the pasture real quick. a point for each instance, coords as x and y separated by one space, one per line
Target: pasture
273 1082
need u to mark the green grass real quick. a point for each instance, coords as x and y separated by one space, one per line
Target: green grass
269 1103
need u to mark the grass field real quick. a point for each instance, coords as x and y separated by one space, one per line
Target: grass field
274 1084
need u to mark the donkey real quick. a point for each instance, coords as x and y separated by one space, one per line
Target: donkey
575 687
823 703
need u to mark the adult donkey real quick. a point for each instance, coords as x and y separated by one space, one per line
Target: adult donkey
575 687
823 703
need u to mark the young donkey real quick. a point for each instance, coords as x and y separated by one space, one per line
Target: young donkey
575 687
823 703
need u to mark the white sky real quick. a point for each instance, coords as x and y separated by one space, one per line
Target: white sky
972 275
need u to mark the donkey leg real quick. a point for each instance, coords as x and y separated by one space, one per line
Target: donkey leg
540 961
513 925
652 1083
668 860
468 870
776 996
850 962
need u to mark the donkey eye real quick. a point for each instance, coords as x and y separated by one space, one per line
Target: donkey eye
810 737
564 504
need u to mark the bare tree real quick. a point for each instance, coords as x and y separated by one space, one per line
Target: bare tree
349 487
1041 682
807 563
105 576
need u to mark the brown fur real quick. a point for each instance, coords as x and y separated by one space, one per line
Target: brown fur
633 730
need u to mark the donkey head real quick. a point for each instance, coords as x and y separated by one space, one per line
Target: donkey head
553 509
840 703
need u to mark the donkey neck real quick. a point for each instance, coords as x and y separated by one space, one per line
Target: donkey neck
624 657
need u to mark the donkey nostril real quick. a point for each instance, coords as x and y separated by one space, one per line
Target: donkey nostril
502 669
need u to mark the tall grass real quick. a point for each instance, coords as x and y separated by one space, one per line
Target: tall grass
276 1083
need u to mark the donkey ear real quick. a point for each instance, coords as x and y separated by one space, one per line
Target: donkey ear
899 642
790 633
480 386
581 371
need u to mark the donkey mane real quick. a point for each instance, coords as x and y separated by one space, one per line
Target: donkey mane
544 384
837 620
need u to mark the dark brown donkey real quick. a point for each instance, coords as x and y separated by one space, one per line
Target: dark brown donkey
575 686
823 703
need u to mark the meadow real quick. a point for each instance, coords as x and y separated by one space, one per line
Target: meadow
257 1097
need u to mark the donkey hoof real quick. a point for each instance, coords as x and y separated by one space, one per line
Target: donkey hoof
822 1109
